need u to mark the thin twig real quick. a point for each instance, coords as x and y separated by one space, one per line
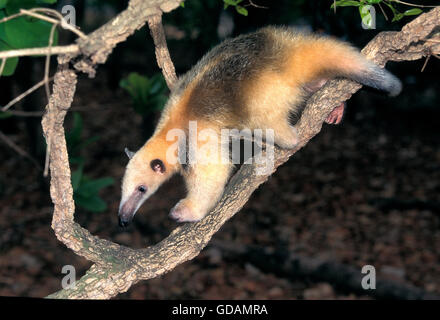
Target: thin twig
2 66
46 160
33 13
24 94
255 5
18 149
383 11
48 11
73 48
412 4
63 22
16 15
19 113
426 62
47 64
64 25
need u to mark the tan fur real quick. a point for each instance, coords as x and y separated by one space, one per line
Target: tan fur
252 82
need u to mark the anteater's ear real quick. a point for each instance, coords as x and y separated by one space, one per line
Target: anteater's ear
129 153
158 166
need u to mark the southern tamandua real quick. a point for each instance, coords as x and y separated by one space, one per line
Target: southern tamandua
258 80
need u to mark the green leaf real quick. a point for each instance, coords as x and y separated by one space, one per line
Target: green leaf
158 84
345 3
413 12
92 187
14 6
76 160
94 204
136 85
230 2
395 12
2 27
10 66
88 141
397 17
374 1
3 3
241 10
4 115
47 1
73 137
76 178
182 4
144 91
158 102
11 63
24 32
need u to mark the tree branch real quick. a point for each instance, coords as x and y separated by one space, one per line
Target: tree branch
73 48
117 267
162 54
24 94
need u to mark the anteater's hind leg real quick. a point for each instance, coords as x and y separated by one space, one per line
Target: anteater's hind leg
335 117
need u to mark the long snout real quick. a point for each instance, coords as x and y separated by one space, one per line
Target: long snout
123 222
128 208
125 215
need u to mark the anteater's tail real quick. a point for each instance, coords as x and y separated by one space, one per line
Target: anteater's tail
314 57
378 78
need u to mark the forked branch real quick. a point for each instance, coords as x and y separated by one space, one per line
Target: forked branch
116 268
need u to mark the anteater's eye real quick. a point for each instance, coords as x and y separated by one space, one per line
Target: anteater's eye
142 189
157 165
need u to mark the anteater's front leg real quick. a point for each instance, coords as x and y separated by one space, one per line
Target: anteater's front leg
205 184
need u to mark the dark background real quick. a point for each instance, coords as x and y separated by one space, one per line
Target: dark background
364 192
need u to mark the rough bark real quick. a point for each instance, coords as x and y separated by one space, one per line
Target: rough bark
116 268
162 54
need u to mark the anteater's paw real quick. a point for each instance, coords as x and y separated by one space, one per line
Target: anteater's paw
287 137
335 117
183 211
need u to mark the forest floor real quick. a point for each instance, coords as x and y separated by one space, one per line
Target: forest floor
364 192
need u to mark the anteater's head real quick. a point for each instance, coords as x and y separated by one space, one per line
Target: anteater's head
144 174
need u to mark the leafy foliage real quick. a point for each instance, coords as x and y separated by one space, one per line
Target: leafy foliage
397 15
235 3
148 94
22 32
85 190
4 114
